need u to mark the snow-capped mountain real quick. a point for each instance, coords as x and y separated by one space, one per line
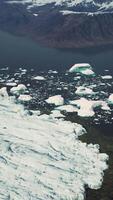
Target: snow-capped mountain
78 5
60 23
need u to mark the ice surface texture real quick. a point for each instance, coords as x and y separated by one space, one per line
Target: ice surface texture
43 158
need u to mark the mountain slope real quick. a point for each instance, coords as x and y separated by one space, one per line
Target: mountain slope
59 23
78 5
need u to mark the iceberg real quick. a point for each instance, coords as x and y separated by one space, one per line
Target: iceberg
83 68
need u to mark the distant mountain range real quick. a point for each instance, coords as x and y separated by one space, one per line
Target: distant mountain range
60 23
74 5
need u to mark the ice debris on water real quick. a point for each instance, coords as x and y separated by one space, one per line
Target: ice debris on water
43 158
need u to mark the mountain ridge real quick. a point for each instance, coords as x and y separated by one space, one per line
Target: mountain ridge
77 5
57 26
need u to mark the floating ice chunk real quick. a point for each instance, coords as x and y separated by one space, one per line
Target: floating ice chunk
23 70
24 97
81 90
106 77
39 78
110 99
4 68
77 78
11 84
86 107
79 67
35 14
20 89
57 100
52 72
83 68
104 106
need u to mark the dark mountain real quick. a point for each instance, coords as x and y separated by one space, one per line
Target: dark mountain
64 24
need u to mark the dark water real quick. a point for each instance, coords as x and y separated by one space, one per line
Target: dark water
18 51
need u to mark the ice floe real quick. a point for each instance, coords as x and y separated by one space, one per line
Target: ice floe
81 90
86 107
57 100
107 77
42 158
39 78
24 97
11 84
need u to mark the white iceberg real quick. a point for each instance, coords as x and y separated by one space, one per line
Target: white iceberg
83 68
